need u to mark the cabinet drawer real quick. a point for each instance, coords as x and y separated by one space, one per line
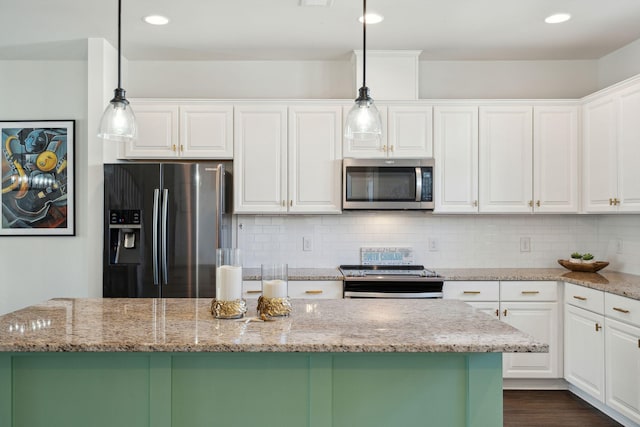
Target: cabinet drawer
528 291
315 289
472 290
251 289
622 308
579 296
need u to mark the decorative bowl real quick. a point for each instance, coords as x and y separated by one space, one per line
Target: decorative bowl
591 267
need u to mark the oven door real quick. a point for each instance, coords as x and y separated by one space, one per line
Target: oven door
387 184
378 288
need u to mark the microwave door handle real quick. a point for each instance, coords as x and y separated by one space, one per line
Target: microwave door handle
418 184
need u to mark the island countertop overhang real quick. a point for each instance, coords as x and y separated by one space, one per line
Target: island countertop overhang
186 325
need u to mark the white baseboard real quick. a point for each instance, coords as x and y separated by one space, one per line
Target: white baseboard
534 384
602 407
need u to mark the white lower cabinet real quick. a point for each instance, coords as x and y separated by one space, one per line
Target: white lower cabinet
584 339
298 289
602 349
530 306
622 355
584 350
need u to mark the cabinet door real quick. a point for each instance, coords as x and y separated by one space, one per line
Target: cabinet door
157 132
260 159
584 350
622 368
456 156
506 159
315 154
599 153
410 131
555 159
367 149
629 151
206 131
540 320
492 308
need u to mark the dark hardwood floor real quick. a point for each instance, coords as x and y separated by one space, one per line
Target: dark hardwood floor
549 408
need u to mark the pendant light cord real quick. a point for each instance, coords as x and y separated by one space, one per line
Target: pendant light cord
364 43
119 31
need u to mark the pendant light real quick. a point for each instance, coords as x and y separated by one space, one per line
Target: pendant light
118 122
363 122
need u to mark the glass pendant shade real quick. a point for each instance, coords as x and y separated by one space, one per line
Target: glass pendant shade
363 122
118 121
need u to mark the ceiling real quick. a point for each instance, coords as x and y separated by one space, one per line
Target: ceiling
283 30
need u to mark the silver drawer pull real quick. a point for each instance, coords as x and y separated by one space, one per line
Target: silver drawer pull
530 292
471 292
580 298
314 292
621 310
254 292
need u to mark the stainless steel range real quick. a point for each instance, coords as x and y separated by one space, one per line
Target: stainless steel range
390 281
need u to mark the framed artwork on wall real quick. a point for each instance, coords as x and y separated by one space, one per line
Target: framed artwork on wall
38 173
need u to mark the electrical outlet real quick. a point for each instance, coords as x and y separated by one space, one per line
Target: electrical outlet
433 245
619 246
525 244
307 243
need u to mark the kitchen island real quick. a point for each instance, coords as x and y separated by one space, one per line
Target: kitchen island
168 362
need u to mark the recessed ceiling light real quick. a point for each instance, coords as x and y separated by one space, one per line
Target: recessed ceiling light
557 18
372 18
156 20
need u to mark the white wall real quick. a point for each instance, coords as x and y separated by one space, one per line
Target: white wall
33 269
240 79
619 65
336 79
507 79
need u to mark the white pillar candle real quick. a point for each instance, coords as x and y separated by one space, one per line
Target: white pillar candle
274 288
228 283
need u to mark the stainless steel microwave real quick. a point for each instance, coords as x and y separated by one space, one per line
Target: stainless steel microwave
394 184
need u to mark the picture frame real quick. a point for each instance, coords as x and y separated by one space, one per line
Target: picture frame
38 177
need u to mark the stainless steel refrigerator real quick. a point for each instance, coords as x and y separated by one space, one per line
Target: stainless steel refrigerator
162 225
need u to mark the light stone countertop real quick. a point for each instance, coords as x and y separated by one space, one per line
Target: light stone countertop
627 285
186 325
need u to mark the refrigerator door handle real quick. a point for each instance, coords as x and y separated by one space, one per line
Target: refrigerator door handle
219 202
156 214
163 237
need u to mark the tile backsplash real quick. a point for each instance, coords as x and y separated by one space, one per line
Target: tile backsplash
440 241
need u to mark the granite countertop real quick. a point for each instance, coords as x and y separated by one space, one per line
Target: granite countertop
627 285
186 325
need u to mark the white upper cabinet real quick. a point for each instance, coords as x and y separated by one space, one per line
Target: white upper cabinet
157 132
260 159
506 159
174 130
456 159
206 131
555 159
315 154
287 160
410 131
628 194
611 149
407 132
600 170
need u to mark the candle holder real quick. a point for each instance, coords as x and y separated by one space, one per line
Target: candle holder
228 302
274 301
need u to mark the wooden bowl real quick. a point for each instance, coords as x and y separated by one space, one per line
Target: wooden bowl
583 267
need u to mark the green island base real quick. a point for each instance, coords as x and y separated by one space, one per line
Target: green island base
250 389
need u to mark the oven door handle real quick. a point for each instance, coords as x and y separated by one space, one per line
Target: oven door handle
418 184
406 295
